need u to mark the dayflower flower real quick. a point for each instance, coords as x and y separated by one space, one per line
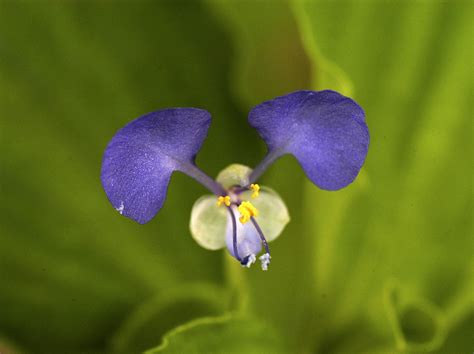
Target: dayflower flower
325 131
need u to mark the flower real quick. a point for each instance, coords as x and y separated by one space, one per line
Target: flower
324 130
261 221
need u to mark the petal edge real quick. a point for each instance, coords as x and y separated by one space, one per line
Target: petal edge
141 157
324 130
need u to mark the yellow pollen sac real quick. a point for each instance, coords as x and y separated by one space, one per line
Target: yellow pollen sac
256 188
247 210
223 200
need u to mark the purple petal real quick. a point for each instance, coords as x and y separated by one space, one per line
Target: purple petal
140 158
324 130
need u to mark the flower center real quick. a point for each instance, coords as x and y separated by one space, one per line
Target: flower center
248 212
246 209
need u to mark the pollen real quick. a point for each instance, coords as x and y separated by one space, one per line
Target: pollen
255 188
247 210
223 200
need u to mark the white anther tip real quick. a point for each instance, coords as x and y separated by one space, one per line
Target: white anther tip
120 208
251 260
265 259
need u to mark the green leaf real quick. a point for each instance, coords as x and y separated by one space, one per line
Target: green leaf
171 308
269 58
408 216
7 347
227 334
417 324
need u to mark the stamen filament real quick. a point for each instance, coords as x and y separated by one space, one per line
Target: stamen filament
260 232
234 234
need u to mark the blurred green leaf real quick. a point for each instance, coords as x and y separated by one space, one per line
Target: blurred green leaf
151 320
72 74
408 216
226 334
417 324
7 347
269 58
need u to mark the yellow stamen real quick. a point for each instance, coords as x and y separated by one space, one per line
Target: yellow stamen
223 200
247 210
256 188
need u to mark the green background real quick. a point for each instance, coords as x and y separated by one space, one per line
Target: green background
382 266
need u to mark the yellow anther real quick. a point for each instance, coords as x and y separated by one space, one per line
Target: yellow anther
247 210
256 188
223 200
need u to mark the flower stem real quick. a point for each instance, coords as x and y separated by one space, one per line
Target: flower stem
260 232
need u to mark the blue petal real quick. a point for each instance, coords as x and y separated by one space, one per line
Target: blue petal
140 158
324 130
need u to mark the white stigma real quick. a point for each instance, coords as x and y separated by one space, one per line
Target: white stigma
251 260
265 259
120 208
